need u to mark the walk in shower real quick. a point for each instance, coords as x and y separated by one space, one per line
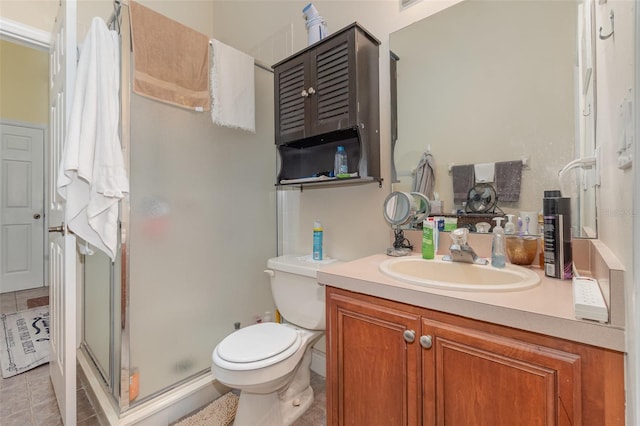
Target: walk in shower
196 232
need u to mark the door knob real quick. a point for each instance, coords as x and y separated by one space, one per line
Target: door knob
312 90
57 229
304 94
426 341
409 336
36 216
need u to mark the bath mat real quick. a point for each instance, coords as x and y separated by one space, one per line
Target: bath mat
24 340
37 301
220 412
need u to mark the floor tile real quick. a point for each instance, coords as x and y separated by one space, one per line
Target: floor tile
24 295
13 402
21 418
91 421
46 414
8 303
16 381
84 408
41 392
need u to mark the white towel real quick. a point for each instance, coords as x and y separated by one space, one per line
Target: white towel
485 172
232 88
92 178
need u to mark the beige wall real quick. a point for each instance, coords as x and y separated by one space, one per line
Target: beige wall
23 83
193 13
39 14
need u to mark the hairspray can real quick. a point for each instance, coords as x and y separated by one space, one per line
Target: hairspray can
558 258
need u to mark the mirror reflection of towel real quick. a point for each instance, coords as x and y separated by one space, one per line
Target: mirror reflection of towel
508 179
485 172
424 178
463 180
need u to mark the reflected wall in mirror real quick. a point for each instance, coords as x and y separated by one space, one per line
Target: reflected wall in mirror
489 81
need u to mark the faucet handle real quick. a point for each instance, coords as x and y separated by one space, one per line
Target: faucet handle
459 236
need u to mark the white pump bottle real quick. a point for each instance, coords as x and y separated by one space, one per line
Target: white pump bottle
497 245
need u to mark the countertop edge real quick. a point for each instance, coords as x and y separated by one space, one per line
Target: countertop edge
581 331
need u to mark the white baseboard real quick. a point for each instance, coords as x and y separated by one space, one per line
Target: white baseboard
318 362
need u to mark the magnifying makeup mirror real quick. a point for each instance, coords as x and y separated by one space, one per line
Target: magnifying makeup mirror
404 209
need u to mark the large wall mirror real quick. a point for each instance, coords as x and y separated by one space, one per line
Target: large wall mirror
488 81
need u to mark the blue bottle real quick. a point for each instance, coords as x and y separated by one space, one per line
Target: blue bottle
317 240
340 168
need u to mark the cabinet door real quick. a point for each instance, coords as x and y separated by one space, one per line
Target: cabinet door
292 82
374 373
475 378
333 106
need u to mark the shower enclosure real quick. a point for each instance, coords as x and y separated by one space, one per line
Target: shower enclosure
196 232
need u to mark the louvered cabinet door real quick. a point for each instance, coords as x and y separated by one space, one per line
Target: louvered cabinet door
333 106
291 100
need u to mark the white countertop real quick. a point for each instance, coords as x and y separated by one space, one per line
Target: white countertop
546 308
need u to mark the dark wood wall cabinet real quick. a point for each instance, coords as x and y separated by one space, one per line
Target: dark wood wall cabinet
325 96
390 363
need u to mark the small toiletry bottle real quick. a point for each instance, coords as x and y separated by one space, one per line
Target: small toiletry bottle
510 227
317 240
428 249
340 168
497 245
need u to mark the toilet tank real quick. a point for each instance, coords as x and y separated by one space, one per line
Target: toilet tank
296 292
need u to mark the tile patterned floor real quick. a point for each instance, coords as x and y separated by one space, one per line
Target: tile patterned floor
28 398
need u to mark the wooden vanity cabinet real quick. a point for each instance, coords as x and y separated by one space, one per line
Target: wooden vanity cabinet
390 363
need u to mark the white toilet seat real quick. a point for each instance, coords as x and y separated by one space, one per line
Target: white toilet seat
257 346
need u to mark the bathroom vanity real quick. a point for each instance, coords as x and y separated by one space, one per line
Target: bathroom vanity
399 353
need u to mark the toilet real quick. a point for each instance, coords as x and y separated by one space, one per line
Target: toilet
270 362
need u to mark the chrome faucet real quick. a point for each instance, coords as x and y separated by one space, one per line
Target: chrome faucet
461 251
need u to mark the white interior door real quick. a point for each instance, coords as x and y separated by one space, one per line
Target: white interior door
21 207
62 245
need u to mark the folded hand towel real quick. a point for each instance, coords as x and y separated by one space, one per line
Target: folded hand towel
171 60
92 178
463 181
508 178
485 172
232 88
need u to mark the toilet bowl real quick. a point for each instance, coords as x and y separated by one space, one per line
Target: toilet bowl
270 362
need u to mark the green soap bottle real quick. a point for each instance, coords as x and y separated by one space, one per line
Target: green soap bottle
428 249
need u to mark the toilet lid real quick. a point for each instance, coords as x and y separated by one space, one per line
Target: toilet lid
257 342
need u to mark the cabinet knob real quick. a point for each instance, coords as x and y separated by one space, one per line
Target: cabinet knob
426 342
312 90
304 94
409 336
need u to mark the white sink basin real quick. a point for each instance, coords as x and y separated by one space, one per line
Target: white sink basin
459 276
